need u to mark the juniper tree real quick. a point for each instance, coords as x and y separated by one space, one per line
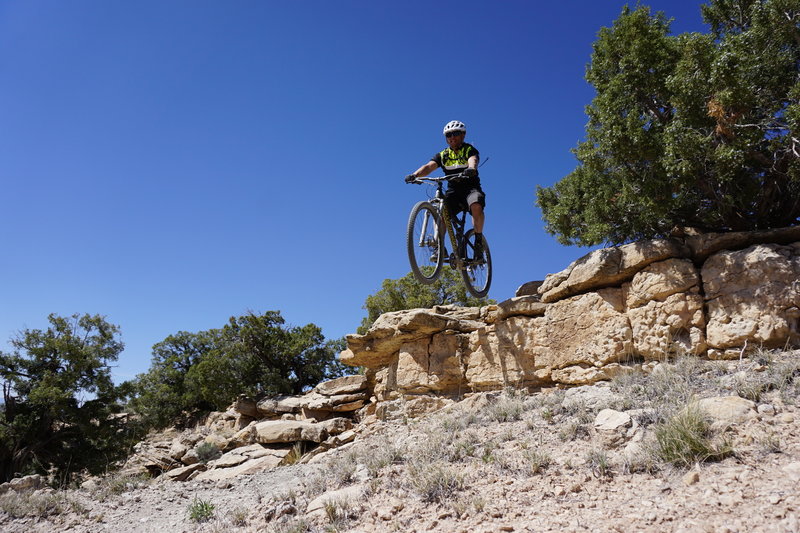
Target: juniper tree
697 129
59 402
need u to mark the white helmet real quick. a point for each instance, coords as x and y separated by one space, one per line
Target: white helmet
454 125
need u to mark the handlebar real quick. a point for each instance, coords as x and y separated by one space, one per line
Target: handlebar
437 179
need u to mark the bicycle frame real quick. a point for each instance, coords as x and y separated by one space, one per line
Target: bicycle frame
453 225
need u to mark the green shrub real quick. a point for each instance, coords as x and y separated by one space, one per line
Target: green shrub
200 510
207 451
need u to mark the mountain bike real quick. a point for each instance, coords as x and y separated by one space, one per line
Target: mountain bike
427 252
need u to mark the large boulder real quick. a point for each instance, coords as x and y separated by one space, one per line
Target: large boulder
753 296
184 472
342 385
727 410
608 267
381 344
283 431
674 325
424 366
530 288
591 329
279 405
249 466
520 306
504 354
665 309
339 402
23 484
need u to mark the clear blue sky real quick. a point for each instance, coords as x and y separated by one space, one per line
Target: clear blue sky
169 164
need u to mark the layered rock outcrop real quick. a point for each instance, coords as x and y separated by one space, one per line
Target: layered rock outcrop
255 435
714 295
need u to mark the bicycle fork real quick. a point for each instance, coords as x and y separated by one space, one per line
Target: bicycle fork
424 231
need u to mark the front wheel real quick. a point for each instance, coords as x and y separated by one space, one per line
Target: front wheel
425 246
477 271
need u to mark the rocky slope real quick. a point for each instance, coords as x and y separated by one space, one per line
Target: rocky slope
584 459
646 387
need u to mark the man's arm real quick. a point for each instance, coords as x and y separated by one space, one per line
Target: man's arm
426 169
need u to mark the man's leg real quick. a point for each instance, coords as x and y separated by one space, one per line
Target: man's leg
476 210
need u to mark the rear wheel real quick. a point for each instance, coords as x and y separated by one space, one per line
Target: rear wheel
477 272
425 246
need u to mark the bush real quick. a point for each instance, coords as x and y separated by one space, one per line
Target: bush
200 510
686 438
207 451
435 482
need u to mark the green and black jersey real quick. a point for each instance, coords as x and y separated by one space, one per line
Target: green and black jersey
460 196
455 161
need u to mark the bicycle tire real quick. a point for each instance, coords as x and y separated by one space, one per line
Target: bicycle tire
477 275
425 251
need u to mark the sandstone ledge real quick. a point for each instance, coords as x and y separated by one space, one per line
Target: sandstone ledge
611 266
610 311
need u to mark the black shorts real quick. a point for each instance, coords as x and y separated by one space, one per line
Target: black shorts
459 199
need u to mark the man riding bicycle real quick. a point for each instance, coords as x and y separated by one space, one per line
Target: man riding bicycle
465 193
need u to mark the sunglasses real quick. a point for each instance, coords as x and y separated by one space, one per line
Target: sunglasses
453 133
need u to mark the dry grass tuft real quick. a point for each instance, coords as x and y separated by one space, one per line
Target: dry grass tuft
34 504
435 482
686 438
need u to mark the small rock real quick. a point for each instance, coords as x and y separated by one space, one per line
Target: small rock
793 470
766 409
690 478
361 474
611 420
727 410
350 493
90 485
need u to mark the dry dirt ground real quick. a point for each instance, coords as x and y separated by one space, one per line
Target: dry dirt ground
511 461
